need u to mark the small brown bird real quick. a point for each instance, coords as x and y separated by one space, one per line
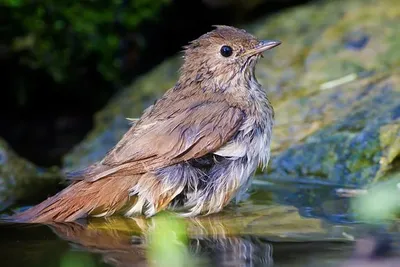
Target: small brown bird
192 152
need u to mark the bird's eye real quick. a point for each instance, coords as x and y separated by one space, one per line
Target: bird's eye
226 51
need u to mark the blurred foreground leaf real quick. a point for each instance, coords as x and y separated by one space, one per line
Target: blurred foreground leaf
381 203
168 242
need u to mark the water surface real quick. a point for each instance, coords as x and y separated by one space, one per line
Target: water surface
278 225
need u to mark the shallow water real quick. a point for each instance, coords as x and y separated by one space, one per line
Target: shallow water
289 224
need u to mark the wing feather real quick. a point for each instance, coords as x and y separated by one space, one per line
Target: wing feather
185 131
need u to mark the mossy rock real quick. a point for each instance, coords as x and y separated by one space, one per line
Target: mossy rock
334 83
356 140
20 179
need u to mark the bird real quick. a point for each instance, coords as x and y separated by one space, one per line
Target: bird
192 152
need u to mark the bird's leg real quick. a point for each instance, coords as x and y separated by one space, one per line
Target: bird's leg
156 190
223 181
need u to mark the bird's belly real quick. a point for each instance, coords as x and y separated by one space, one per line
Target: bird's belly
246 152
252 147
205 185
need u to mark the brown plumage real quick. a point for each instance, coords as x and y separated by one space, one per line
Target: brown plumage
192 151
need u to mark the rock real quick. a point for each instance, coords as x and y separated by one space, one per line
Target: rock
357 138
21 180
334 83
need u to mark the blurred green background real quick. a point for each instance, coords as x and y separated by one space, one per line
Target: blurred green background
63 61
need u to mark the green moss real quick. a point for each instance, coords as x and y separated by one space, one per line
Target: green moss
390 145
349 148
322 42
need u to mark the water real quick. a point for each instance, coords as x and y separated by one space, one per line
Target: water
278 225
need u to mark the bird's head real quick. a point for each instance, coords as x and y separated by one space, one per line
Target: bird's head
223 55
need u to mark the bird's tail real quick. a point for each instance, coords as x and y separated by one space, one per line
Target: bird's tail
99 198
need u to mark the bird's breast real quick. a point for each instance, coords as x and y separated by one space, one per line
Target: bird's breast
252 142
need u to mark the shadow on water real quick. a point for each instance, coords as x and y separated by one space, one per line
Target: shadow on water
313 198
295 226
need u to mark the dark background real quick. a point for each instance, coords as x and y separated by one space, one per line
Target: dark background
51 89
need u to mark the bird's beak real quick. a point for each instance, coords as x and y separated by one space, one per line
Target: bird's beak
261 47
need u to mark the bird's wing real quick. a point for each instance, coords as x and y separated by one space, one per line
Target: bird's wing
186 130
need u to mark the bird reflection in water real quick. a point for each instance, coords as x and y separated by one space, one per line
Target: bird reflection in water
122 242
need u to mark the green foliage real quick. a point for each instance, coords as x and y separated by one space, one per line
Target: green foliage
168 242
55 35
381 203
